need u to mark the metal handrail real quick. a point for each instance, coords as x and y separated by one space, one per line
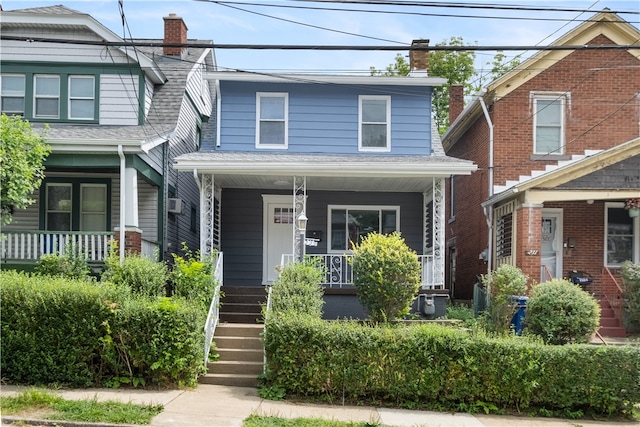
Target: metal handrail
213 317
612 292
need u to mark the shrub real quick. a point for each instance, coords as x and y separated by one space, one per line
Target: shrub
503 283
298 289
72 265
143 275
386 275
560 312
631 288
435 367
192 277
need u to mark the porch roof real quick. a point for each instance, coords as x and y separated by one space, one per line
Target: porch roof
324 171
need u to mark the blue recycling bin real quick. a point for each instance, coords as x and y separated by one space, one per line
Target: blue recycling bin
517 321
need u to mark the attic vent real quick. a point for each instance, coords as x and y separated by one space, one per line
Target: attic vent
174 206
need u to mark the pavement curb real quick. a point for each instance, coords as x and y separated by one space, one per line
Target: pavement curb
54 423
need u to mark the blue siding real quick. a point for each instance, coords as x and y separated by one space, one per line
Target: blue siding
323 118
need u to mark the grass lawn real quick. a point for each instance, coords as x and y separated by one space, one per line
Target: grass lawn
263 421
39 404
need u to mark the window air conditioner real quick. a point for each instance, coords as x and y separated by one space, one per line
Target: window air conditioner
174 206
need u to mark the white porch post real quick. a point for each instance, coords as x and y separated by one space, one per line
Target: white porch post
438 231
299 207
208 211
131 198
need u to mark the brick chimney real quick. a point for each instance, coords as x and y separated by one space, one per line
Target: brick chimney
419 59
456 101
175 31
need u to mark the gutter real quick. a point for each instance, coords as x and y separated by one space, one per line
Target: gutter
122 204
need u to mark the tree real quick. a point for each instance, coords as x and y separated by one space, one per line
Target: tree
22 154
458 68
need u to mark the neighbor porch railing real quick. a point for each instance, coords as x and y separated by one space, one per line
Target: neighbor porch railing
339 273
611 290
31 245
214 308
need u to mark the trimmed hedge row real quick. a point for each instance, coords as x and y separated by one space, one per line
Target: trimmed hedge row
79 333
438 367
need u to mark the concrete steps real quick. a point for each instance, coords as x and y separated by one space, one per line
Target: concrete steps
240 356
242 304
610 326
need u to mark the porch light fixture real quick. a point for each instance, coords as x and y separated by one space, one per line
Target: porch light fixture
302 227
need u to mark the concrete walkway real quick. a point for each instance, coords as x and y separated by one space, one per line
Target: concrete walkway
221 406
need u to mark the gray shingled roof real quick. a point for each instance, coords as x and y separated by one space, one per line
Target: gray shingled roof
57 9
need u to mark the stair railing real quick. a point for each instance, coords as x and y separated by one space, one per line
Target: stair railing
213 317
611 290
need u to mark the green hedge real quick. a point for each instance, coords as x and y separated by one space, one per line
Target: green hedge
438 367
77 333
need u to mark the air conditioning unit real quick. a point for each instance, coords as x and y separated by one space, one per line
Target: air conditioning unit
174 206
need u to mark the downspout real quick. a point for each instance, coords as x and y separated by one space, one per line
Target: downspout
218 109
122 202
488 210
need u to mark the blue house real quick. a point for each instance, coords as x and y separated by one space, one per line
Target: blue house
307 164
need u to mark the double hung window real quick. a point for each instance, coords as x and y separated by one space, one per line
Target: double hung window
623 236
13 90
374 116
549 119
272 110
81 97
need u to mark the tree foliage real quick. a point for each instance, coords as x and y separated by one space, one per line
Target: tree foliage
22 153
457 66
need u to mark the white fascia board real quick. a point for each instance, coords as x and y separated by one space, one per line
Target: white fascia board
151 143
324 79
63 145
86 21
342 169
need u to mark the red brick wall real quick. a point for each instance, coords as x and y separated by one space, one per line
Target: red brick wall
528 239
132 240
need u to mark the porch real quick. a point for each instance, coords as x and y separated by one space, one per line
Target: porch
25 247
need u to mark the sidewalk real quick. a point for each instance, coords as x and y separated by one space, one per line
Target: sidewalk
221 406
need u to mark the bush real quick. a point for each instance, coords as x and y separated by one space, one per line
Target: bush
386 275
192 277
78 333
298 289
144 276
631 288
503 283
435 367
71 264
560 312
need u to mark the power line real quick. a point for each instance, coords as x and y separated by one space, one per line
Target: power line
319 47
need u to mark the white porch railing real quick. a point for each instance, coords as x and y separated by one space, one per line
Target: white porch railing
214 309
339 272
31 245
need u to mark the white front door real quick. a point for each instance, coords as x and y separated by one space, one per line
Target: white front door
278 233
551 244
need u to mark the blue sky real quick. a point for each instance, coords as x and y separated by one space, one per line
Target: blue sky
226 25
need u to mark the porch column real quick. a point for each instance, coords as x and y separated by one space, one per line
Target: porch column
129 214
299 206
438 232
209 215
528 240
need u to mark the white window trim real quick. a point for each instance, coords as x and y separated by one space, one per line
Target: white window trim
379 208
80 98
15 95
36 96
549 96
636 235
284 95
386 98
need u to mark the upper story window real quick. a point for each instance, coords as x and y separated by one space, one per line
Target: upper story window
272 111
51 97
46 96
81 97
13 89
374 127
548 127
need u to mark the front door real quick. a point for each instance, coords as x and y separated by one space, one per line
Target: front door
551 247
278 233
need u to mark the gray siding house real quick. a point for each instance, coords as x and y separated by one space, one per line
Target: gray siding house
307 164
116 116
